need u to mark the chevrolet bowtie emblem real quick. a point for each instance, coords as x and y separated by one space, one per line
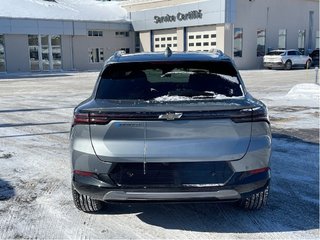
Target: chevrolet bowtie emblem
170 116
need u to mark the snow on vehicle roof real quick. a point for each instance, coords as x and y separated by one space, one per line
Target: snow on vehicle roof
87 10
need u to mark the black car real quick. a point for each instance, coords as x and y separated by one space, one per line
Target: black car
315 57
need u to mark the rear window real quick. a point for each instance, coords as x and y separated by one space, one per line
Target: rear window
276 53
169 81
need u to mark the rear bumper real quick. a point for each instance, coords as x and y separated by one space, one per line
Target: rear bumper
239 186
273 64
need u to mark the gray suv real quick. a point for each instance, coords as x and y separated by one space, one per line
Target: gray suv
170 127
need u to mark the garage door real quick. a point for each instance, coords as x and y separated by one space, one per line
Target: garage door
164 39
201 39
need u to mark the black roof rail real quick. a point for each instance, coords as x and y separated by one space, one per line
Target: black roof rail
216 51
118 53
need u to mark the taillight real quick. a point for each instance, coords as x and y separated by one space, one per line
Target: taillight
98 118
90 118
260 114
80 118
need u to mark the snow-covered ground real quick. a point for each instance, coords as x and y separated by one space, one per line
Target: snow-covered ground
292 98
35 198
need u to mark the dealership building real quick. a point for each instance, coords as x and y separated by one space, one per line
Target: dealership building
243 29
81 35
38 35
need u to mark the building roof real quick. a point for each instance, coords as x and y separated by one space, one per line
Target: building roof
87 10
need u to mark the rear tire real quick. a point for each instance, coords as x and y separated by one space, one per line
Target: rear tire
288 65
308 64
255 201
85 203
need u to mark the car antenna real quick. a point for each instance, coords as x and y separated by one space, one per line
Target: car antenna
168 52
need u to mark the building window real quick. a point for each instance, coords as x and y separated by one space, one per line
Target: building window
169 38
95 33
206 36
206 44
137 42
127 50
318 39
213 43
261 42
156 39
56 51
96 55
213 35
44 52
301 40
198 44
2 55
198 37
191 37
33 42
174 38
237 42
191 44
122 34
282 44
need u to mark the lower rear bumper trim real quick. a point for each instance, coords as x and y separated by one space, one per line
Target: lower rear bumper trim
149 196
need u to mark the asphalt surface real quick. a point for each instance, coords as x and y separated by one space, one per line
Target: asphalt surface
35 196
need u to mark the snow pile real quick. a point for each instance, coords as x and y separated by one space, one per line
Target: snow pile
299 108
91 10
304 91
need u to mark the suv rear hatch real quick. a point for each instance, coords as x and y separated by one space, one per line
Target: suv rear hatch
148 136
170 112
273 56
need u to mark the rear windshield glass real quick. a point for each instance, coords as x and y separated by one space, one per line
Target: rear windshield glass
170 81
275 53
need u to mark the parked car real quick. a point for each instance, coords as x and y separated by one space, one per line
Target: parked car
315 57
170 127
286 59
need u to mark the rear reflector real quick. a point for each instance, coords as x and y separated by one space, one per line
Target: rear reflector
83 173
260 170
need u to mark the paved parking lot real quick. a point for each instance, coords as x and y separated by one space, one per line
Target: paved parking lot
35 197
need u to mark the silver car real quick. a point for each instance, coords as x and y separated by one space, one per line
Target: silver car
170 127
286 59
